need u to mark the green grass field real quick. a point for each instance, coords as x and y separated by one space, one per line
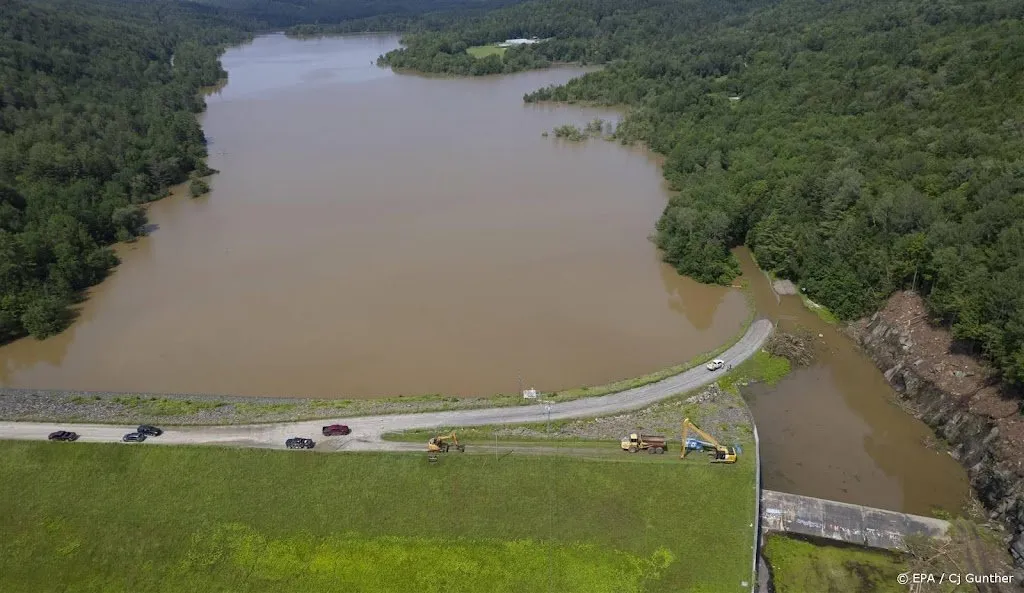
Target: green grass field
761 367
482 51
802 567
90 517
823 313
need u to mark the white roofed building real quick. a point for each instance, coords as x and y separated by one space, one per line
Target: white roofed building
511 42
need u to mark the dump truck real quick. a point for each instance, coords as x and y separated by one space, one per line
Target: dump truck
651 443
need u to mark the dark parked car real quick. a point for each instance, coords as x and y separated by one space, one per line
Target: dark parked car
150 431
133 437
63 435
299 443
336 430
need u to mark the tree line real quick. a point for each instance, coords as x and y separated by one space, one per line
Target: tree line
857 147
576 31
313 14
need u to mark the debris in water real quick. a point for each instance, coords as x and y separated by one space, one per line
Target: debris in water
793 347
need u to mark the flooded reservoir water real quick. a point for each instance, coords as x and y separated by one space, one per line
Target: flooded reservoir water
379 234
831 429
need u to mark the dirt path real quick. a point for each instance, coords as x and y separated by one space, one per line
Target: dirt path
981 561
367 430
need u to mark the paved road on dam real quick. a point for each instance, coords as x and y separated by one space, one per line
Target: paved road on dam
367 430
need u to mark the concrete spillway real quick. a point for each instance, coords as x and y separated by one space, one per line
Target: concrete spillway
850 523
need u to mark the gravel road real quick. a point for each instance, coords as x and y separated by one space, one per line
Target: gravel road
367 430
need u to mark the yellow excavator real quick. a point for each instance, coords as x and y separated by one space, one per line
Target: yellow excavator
718 452
442 442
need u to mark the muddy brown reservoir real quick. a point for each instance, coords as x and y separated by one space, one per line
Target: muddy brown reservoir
377 234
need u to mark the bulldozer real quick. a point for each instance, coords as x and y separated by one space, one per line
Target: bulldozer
718 452
442 442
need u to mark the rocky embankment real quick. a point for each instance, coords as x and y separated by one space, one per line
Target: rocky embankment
30 405
958 397
715 410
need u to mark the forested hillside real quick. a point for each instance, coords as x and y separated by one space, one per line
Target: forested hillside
94 120
311 13
586 31
858 147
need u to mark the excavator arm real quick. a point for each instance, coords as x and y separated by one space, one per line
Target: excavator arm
705 436
705 439
722 454
440 442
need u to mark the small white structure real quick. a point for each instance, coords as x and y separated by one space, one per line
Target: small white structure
511 42
529 394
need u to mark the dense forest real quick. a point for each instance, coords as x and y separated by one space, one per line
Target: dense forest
324 16
95 119
858 147
590 31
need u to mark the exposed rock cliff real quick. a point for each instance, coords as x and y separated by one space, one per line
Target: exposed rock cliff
955 395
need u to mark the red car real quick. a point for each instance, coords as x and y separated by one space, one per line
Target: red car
336 430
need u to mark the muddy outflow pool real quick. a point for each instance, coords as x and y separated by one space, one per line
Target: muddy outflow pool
831 429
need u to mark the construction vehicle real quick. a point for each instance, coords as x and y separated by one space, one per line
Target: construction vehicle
644 442
442 442
718 452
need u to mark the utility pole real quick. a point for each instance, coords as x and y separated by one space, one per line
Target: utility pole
551 503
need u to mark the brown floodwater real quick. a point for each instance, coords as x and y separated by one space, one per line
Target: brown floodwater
378 234
831 429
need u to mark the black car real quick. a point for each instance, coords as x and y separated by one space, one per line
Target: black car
63 435
150 431
133 437
299 443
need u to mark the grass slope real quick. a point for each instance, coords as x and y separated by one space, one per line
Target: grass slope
802 567
482 51
116 517
761 367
